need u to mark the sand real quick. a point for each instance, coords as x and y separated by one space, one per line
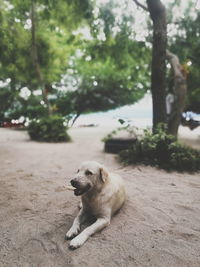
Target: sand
159 225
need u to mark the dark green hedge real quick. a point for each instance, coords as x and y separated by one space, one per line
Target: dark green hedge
48 129
162 150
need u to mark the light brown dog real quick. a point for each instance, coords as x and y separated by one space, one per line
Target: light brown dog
102 194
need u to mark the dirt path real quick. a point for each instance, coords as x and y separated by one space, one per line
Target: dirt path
158 226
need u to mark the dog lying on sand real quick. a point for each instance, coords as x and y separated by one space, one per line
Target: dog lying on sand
102 194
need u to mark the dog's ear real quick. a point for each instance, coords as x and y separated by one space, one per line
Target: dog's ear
103 175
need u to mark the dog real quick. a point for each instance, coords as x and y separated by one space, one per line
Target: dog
102 195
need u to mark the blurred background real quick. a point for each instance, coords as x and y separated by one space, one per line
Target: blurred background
78 59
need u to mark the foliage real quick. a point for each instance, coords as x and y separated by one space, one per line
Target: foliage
101 77
55 42
131 130
107 69
6 99
48 129
29 109
108 81
162 150
82 74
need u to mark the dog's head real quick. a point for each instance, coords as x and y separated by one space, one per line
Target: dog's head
90 175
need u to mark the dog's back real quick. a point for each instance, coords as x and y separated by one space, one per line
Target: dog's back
118 189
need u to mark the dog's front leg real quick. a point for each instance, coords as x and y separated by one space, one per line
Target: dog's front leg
95 227
74 230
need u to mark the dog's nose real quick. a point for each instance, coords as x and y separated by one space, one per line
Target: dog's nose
74 182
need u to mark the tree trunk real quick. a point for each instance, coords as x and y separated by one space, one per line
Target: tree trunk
180 90
35 58
75 118
158 82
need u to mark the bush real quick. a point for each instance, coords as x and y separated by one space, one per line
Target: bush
162 150
48 129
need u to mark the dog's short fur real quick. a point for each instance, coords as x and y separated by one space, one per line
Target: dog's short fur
102 194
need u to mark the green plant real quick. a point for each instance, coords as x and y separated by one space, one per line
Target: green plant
131 130
162 150
48 129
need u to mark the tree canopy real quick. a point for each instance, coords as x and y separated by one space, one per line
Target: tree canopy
91 56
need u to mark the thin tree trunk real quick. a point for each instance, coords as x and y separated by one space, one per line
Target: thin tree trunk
180 90
158 81
35 58
75 118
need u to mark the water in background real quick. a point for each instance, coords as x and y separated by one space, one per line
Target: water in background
138 114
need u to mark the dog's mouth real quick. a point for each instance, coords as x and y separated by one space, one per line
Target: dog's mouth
81 190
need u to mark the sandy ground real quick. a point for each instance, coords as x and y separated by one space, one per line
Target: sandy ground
158 226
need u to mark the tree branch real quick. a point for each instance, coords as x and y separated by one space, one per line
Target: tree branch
176 66
75 118
180 91
140 5
156 9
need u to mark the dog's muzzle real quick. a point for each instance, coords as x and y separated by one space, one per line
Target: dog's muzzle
80 188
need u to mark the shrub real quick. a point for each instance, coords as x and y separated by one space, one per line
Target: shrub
48 129
162 150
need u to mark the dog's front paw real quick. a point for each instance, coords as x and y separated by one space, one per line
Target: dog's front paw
77 241
72 233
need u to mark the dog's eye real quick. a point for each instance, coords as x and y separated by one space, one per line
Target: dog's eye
78 171
88 172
